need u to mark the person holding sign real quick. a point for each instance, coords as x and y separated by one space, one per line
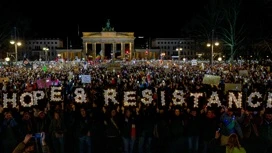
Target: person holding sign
28 145
230 125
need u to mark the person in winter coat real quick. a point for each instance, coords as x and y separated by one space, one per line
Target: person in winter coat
266 131
193 131
208 126
230 125
84 131
177 127
28 146
232 146
9 132
113 133
128 133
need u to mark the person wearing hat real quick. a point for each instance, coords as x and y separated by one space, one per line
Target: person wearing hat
28 145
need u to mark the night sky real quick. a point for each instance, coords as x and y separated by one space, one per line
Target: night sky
53 18
61 19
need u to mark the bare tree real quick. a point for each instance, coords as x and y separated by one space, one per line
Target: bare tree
203 24
4 35
200 27
232 34
4 32
4 25
264 45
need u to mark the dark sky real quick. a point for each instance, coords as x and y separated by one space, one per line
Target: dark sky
57 19
53 18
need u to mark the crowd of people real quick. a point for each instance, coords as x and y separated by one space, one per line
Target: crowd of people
68 126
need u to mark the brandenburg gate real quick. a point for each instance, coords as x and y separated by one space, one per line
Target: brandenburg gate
108 36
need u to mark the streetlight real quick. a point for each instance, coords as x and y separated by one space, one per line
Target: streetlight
46 49
212 45
179 49
16 44
7 59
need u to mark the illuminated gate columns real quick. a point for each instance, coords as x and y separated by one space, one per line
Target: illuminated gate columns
108 37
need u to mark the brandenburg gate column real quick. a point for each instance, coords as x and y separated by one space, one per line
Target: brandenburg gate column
122 49
94 50
85 47
102 50
113 50
131 50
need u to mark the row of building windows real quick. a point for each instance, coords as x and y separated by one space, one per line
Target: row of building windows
187 53
174 47
40 47
182 53
41 42
42 54
174 42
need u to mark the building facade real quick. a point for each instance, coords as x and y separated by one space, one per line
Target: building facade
144 49
70 54
170 46
108 44
44 49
